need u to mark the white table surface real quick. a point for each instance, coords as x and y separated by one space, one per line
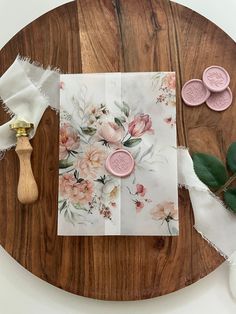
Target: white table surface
23 293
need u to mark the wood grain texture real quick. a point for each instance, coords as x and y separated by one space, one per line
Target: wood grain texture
100 36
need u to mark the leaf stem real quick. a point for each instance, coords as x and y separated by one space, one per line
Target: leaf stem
123 139
168 227
227 184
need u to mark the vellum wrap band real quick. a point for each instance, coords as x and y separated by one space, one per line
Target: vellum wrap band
27 90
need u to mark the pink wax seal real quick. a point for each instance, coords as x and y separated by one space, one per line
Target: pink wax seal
220 101
195 93
120 163
216 78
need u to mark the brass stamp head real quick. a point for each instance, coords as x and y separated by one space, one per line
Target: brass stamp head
21 127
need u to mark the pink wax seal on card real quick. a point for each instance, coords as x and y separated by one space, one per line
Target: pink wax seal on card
216 78
220 101
120 163
195 93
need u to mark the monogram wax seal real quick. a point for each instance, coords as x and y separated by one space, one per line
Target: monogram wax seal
120 163
216 78
195 93
220 101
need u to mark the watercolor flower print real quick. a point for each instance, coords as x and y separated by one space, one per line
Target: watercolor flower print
84 184
166 95
139 197
93 125
166 86
165 212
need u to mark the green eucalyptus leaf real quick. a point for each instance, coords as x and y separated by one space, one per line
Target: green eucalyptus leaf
210 170
125 109
231 157
89 131
230 199
65 164
122 119
62 206
118 105
132 142
118 122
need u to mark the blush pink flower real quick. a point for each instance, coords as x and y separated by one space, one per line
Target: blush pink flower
76 192
68 140
139 205
111 132
165 211
95 113
170 121
82 192
62 85
66 181
91 162
170 81
110 190
105 212
141 124
140 189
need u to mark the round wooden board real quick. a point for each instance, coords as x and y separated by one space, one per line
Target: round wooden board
101 36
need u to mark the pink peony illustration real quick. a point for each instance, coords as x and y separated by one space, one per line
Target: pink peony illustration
66 181
82 192
76 192
141 124
91 162
165 211
111 132
170 81
68 140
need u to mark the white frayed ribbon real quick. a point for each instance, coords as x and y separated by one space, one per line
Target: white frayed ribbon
215 223
27 89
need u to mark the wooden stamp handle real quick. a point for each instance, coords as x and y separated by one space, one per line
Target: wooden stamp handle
27 187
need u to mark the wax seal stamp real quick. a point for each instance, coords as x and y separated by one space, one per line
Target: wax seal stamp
195 93
216 78
27 190
220 101
120 163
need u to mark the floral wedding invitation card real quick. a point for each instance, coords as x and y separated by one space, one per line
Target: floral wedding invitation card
100 113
